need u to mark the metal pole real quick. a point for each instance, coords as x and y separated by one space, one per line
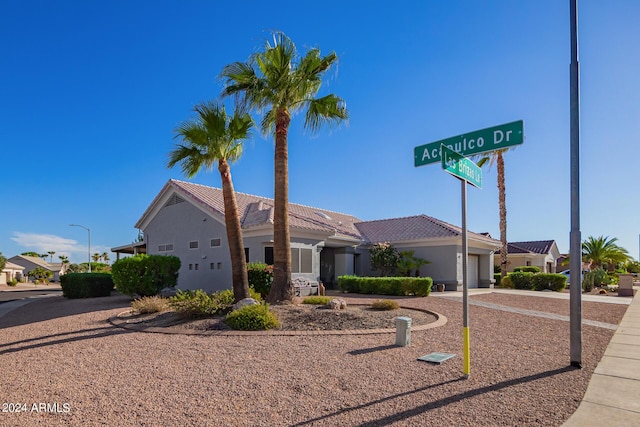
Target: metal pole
89 241
575 267
466 369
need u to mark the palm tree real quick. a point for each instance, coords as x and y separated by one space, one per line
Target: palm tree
64 259
602 251
96 257
105 257
215 137
51 254
278 82
496 157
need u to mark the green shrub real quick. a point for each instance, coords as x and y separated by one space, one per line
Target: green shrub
252 318
527 269
153 304
86 285
549 281
145 275
385 305
418 286
260 277
199 303
521 280
498 278
506 282
316 300
12 282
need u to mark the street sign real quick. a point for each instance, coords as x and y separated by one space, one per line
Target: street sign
461 167
480 141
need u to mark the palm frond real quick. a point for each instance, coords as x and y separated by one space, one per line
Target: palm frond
329 109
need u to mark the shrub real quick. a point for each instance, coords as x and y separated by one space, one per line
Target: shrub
145 275
86 285
498 279
506 282
12 282
418 286
527 269
316 300
385 305
550 281
153 304
384 257
40 275
260 277
199 303
252 318
522 280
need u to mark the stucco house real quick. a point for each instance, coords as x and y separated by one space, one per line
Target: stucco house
539 253
31 262
187 220
11 271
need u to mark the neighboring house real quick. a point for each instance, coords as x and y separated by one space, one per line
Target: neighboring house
31 262
187 220
11 271
540 253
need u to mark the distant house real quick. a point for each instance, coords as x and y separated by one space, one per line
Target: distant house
187 220
11 271
540 253
30 263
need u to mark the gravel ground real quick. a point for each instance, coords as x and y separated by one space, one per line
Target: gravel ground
65 354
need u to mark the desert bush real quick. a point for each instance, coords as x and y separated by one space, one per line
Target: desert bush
506 282
316 300
200 304
12 282
549 281
260 277
152 304
86 285
527 269
418 286
521 280
145 275
252 318
385 305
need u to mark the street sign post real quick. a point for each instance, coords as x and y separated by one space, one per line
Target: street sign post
461 167
480 141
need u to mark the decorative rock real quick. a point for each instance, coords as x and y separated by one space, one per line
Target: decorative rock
244 302
337 304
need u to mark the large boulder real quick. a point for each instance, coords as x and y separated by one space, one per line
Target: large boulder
337 304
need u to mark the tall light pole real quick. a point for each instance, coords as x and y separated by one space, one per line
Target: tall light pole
89 240
575 267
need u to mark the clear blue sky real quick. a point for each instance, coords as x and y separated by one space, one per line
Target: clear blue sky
91 92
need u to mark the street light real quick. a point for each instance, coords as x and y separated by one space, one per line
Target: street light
89 246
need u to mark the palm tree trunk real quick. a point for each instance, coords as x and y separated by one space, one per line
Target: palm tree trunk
234 235
503 215
281 288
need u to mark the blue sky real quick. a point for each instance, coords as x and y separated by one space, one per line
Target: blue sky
91 93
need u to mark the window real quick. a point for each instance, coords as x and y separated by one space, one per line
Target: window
215 243
190 266
246 254
193 244
301 260
219 266
268 255
165 248
195 266
212 266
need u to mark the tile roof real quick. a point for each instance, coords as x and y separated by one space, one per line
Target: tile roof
536 247
417 227
257 211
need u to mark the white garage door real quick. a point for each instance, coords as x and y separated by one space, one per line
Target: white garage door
472 271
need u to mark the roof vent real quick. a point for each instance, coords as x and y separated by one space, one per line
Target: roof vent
323 215
174 200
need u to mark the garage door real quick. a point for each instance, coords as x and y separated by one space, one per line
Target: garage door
472 271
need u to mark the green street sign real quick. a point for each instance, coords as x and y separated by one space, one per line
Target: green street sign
461 167
480 141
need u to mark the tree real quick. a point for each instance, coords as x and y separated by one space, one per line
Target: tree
496 157
385 258
603 251
278 82
64 259
51 254
40 275
105 257
96 257
31 253
215 137
3 262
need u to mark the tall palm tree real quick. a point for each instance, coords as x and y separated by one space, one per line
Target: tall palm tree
51 254
497 158
96 257
64 259
105 257
603 251
215 137
279 82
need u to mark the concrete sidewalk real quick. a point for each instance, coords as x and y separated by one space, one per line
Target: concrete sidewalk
613 395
